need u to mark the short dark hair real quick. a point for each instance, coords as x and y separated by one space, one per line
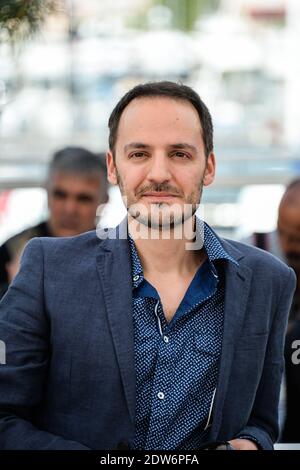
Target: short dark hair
167 89
76 160
81 161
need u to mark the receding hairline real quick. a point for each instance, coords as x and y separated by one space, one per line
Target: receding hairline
164 98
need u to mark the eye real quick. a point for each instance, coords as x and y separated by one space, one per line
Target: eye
137 155
59 194
84 198
179 154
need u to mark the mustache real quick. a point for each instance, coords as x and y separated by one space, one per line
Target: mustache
159 187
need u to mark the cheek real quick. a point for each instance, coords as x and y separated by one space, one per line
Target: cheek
88 212
55 206
132 178
189 181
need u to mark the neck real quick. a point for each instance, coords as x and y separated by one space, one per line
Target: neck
161 255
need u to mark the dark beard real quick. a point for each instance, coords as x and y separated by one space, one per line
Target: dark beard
162 187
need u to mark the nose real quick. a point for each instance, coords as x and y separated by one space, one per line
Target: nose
70 206
159 171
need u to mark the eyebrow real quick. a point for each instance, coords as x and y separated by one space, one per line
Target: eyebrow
136 145
183 145
141 145
79 196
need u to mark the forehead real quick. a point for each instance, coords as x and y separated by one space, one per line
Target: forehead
159 115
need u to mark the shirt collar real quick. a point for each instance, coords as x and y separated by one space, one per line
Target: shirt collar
136 266
211 242
204 235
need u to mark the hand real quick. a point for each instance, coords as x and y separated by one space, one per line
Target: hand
243 444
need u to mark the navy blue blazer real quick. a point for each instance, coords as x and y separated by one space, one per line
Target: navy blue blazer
69 377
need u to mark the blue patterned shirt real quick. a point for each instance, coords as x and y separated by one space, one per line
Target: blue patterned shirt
177 363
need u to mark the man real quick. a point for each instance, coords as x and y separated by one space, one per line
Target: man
133 342
288 229
289 240
76 186
284 242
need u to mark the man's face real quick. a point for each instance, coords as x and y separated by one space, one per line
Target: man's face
73 202
289 234
160 162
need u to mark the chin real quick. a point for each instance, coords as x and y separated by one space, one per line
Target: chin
68 232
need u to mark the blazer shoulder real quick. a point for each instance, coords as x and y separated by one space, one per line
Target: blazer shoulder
256 257
65 246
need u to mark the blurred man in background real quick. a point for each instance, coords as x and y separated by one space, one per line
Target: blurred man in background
76 186
284 242
288 229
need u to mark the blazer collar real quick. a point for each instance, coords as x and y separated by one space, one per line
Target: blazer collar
237 288
114 268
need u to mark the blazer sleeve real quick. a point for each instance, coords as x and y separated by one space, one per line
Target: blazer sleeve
24 334
262 426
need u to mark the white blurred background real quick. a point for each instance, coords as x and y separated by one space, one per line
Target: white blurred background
58 88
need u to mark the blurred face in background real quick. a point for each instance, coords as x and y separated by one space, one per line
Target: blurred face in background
73 200
289 233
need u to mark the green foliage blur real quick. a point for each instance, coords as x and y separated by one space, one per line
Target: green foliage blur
186 12
20 19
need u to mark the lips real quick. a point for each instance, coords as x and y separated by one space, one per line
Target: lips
159 194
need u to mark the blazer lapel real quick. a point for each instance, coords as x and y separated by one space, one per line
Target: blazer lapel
114 268
237 286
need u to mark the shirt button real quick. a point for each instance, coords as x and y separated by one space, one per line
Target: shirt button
136 278
161 395
166 339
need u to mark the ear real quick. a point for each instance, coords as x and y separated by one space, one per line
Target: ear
111 169
210 170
